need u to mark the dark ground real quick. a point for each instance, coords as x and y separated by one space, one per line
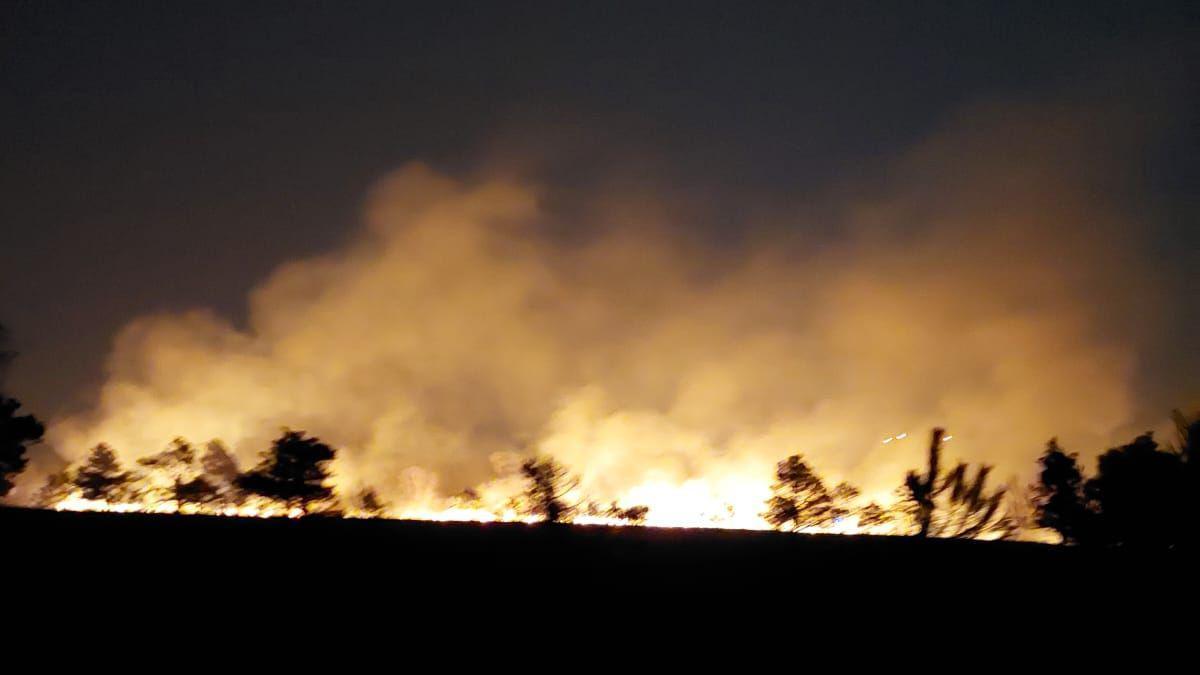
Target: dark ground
110 561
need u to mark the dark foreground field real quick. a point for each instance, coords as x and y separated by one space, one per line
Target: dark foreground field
98 558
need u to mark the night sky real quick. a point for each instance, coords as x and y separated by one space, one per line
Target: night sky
158 156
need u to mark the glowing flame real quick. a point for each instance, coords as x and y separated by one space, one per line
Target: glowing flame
689 505
679 517
76 502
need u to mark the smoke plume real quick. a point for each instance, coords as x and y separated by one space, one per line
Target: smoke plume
973 283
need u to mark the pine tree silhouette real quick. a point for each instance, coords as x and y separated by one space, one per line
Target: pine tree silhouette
293 471
101 476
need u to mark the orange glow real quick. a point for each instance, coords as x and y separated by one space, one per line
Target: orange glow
684 509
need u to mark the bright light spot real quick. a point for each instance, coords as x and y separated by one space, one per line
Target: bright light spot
887 440
902 436
947 438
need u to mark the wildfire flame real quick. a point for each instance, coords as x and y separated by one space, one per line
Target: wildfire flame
675 518
689 505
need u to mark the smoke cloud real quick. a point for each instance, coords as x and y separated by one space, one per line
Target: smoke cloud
968 284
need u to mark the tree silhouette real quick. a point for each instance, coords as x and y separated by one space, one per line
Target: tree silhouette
293 471
198 491
630 514
546 493
176 475
6 356
1141 492
1058 496
368 503
219 465
220 470
969 510
178 458
921 488
57 487
1188 434
17 433
844 497
1188 431
634 514
799 498
468 498
957 504
872 516
101 476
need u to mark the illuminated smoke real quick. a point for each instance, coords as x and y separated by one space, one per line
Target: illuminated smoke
455 334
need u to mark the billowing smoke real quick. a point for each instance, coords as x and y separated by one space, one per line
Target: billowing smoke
968 284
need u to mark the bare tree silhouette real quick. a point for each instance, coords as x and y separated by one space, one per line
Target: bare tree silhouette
957 504
921 488
970 510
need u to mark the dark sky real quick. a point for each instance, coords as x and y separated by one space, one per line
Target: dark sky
162 155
